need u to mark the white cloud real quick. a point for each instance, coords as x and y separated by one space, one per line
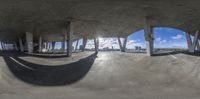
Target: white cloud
113 42
163 41
158 39
132 43
177 37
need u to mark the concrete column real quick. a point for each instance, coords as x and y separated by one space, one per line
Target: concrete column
96 44
64 44
189 41
148 37
69 38
2 46
77 41
15 46
120 44
194 44
84 43
53 45
50 46
198 46
29 40
124 45
46 45
21 45
40 44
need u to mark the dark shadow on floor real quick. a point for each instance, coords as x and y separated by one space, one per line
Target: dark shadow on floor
197 53
49 75
167 53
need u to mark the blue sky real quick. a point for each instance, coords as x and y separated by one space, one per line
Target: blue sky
163 38
169 38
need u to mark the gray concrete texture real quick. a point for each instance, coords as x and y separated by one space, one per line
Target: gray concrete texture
50 18
110 75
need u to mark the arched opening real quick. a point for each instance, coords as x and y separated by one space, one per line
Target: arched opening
108 44
136 42
89 45
169 39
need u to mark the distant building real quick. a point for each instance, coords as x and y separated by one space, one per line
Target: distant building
138 48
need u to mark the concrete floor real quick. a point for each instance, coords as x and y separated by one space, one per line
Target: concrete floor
111 75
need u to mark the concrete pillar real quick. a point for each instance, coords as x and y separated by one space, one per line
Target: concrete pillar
96 44
69 38
84 43
2 46
40 44
76 48
198 46
120 44
46 45
64 44
53 45
21 45
15 46
148 37
124 44
194 44
50 46
189 41
29 40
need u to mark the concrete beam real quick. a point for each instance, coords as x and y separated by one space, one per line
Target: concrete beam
148 37
29 41
69 39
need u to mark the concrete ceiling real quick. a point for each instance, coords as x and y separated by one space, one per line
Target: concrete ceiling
99 17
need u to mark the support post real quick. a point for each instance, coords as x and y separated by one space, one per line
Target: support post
40 44
189 41
53 45
194 44
96 44
76 48
120 44
69 39
4 46
46 46
124 45
29 40
84 43
15 46
64 44
148 37
198 46
21 45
